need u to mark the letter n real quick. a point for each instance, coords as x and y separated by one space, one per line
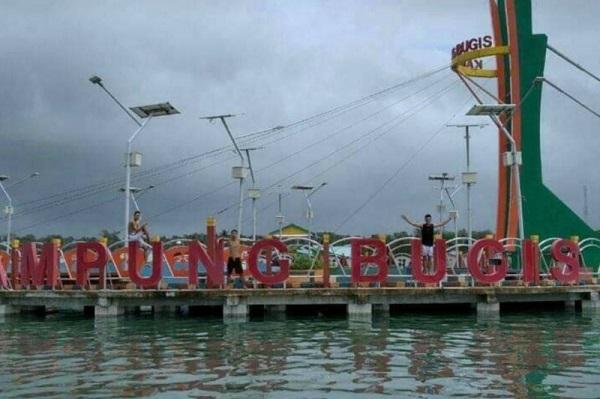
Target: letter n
214 266
378 258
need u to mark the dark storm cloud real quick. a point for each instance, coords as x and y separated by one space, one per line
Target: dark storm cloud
275 62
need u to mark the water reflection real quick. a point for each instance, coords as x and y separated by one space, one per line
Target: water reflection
521 355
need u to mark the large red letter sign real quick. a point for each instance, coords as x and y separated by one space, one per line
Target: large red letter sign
531 262
439 255
134 273
566 252
4 283
214 266
379 258
39 271
493 248
85 260
284 264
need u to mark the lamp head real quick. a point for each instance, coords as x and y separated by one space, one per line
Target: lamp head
96 80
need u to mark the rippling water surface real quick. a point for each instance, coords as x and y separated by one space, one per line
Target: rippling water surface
410 355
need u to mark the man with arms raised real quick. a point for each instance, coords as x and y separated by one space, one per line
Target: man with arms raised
427 230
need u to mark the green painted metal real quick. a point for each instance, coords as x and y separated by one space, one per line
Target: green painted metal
544 213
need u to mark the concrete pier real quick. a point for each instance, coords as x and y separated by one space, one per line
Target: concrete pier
360 311
591 304
488 310
9 309
234 307
360 303
108 308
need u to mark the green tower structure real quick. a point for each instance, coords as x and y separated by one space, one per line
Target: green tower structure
544 214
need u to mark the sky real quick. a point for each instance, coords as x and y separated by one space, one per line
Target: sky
272 63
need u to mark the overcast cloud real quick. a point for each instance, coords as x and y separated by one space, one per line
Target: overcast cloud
275 62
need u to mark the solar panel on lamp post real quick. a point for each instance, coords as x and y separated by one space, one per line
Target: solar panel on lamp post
511 158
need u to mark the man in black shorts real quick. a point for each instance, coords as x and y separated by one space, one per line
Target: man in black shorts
427 237
234 262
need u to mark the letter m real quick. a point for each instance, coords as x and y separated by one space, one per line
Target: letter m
37 271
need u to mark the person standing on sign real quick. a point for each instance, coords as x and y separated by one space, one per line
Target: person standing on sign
234 262
137 231
427 234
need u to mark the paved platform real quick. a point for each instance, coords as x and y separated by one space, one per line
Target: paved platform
236 302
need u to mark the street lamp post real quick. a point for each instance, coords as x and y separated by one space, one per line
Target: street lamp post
511 158
280 217
469 178
98 81
9 210
24 179
309 191
146 112
253 193
136 190
134 159
443 178
237 172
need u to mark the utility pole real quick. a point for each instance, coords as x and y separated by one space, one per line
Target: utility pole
253 193
237 172
443 178
308 192
469 178
280 217
585 202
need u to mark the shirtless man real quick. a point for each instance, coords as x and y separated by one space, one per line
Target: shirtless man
427 232
137 231
234 262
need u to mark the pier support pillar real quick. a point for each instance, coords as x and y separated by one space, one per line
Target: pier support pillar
488 308
570 304
276 312
183 309
235 308
360 311
107 308
9 309
591 305
275 309
382 308
165 309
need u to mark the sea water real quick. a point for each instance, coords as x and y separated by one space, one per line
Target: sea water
529 354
